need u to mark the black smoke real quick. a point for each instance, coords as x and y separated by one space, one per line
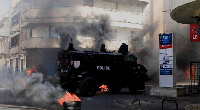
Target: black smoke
67 34
100 30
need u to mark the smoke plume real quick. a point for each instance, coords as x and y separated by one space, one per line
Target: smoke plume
66 35
146 53
100 30
29 91
186 51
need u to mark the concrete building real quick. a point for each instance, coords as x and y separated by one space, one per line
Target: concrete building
13 3
33 38
4 41
162 21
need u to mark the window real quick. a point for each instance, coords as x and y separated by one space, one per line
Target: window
110 5
16 63
135 9
15 41
53 33
11 65
22 64
48 3
29 32
130 58
88 3
33 33
115 35
133 36
132 33
15 19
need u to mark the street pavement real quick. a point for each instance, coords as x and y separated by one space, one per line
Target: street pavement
14 107
123 101
126 101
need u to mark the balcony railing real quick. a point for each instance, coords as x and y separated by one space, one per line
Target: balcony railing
37 15
39 42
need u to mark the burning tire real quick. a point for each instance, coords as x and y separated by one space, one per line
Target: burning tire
136 86
76 105
88 87
114 88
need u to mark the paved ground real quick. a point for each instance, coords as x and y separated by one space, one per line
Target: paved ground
13 107
124 101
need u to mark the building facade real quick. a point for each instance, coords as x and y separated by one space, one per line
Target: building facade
4 41
33 38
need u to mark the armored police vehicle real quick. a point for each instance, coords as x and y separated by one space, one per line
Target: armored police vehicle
88 70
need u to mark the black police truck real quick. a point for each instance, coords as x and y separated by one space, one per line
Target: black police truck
88 70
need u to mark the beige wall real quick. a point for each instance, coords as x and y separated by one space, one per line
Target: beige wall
41 23
14 2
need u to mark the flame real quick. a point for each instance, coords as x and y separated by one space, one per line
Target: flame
68 98
104 88
29 71
188 74
32 70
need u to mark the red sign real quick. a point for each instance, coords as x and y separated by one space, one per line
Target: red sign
165 46
194 33
165 41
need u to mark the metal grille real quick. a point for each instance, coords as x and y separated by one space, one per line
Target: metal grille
194 86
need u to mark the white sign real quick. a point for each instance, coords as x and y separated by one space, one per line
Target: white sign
166 60
103 67
77 64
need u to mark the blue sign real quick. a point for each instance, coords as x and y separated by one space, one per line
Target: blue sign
166 72
165 41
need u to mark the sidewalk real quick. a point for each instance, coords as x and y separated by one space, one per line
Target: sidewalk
14 107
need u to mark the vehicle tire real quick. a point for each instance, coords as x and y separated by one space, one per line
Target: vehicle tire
114 88
75 105
88 87
136 86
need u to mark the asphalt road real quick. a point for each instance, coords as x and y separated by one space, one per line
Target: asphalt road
126 101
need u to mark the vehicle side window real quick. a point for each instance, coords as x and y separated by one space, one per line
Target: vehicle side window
130 58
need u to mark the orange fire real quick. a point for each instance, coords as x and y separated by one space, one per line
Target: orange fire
32 70
188 74
29 71
104 88
68 98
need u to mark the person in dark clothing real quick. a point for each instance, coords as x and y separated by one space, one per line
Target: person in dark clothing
102 49
71 47
123 49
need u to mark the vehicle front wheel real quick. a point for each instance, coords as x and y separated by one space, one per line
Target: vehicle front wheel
88 87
